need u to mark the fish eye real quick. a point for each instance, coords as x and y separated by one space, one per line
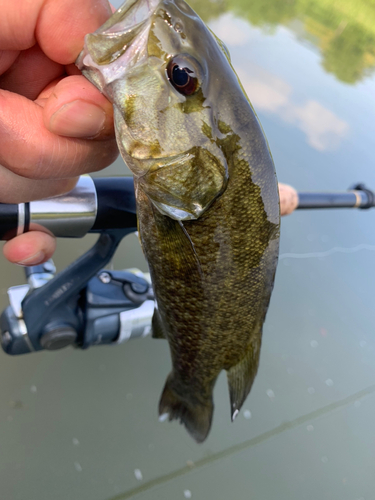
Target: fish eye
183 73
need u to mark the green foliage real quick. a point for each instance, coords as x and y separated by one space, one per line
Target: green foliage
348 54
210 9
265 12
344 30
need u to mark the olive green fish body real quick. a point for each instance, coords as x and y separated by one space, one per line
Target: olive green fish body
213 279
206 191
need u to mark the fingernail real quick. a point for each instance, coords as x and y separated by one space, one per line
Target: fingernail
78 119
34 260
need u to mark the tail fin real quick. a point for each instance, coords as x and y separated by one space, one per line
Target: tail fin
196 417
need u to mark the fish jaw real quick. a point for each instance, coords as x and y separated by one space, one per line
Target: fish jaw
126 59
122 38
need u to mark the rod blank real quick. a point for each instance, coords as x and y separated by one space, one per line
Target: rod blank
360 197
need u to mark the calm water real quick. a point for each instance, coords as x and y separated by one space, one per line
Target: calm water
83 425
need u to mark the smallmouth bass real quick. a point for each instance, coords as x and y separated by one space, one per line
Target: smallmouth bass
206 191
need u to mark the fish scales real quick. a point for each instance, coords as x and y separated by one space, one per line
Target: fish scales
206 191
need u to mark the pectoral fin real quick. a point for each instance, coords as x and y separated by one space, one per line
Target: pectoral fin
241 377
166 237
177 246
157 326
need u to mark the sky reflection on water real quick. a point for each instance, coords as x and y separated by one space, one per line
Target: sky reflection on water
306 430
272 92
311 118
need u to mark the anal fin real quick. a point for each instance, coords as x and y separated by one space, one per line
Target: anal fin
241 377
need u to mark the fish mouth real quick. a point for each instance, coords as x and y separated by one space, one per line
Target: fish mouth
122 38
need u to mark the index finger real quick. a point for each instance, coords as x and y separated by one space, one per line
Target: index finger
59 26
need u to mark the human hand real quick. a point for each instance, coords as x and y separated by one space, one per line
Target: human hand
288 199
54 124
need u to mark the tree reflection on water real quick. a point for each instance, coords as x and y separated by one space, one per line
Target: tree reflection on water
343 31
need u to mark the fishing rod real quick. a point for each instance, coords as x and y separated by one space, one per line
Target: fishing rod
97 204
92 206
358 196
85 304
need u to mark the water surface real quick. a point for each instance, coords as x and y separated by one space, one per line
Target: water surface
84 425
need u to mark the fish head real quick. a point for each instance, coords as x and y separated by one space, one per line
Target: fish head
163 70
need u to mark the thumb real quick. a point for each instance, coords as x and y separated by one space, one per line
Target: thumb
75 108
